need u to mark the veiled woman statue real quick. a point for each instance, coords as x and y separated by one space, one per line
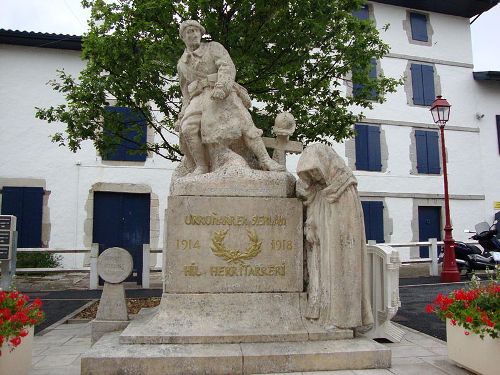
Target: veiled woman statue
338 294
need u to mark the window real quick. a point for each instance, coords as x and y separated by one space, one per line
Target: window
373 212
357 87
26 203
368 148
362 14
418 23
498 134
133 137
427 152
422 82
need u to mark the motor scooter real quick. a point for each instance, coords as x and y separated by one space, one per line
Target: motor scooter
470 257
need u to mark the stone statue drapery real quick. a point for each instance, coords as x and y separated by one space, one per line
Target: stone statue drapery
338 294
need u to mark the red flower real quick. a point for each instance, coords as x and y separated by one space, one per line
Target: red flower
467 333
37 302
15 341
453 322
5 313
16 315
429 308
14 294
469 319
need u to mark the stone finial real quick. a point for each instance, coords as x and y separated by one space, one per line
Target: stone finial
284 124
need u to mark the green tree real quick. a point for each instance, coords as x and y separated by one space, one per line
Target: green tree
290 55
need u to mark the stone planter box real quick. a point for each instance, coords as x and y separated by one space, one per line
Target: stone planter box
472 353
17 361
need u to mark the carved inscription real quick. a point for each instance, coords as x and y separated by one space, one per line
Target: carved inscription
187 244
242 270
235 244
215 219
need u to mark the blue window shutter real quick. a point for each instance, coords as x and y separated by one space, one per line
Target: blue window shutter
421 141
26 204
374 156
361 147
373 72
498 135
131 120
373 212
427 152
428 84
417 84
362 14
377 219
418 24
433 153
368 157
356 88
366 216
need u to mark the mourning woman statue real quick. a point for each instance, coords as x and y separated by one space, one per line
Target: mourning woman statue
338 294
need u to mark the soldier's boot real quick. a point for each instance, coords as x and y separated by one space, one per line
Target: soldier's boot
256 145
198 153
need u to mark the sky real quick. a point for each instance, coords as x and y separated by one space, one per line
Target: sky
68 17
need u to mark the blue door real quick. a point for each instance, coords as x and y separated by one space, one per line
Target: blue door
429 226
373 212
122 220
26 204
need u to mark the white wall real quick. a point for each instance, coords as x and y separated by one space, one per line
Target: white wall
473 155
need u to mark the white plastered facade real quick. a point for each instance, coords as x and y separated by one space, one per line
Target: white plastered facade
29 158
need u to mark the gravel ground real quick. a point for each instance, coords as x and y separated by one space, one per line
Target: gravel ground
133 307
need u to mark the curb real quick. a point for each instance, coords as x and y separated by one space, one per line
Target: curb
66 318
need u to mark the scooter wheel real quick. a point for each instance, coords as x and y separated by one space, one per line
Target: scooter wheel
465 269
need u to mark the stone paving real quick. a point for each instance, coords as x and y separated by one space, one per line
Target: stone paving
58 352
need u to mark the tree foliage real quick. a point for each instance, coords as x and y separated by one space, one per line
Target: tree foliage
296 56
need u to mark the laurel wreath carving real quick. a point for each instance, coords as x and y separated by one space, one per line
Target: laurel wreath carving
235 256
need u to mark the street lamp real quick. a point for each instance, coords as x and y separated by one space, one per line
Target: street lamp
440 110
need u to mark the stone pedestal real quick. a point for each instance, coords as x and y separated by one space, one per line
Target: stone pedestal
233 300
114 265
233 245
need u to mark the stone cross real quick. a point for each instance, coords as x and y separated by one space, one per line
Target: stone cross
281 145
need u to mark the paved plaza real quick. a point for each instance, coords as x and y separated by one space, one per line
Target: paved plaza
58 347
58 352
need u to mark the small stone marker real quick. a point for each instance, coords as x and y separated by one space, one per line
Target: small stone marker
114 265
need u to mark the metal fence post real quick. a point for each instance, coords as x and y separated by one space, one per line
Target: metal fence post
146 251
434 257
8 267
94 278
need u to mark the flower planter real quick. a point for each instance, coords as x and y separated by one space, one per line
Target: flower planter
472 353
17 361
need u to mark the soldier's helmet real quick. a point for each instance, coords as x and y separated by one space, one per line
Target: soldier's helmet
188 23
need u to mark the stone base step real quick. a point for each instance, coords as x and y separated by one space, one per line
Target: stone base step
110 357
227 318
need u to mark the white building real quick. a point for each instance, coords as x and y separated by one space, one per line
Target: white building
70 200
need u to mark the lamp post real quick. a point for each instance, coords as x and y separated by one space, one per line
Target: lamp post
440 110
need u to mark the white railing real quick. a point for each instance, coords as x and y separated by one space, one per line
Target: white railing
92 269
383 270
147 251
433 253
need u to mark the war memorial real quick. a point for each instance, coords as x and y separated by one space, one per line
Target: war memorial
263 273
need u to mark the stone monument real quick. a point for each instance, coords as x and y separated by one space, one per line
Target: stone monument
114 265
233 293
